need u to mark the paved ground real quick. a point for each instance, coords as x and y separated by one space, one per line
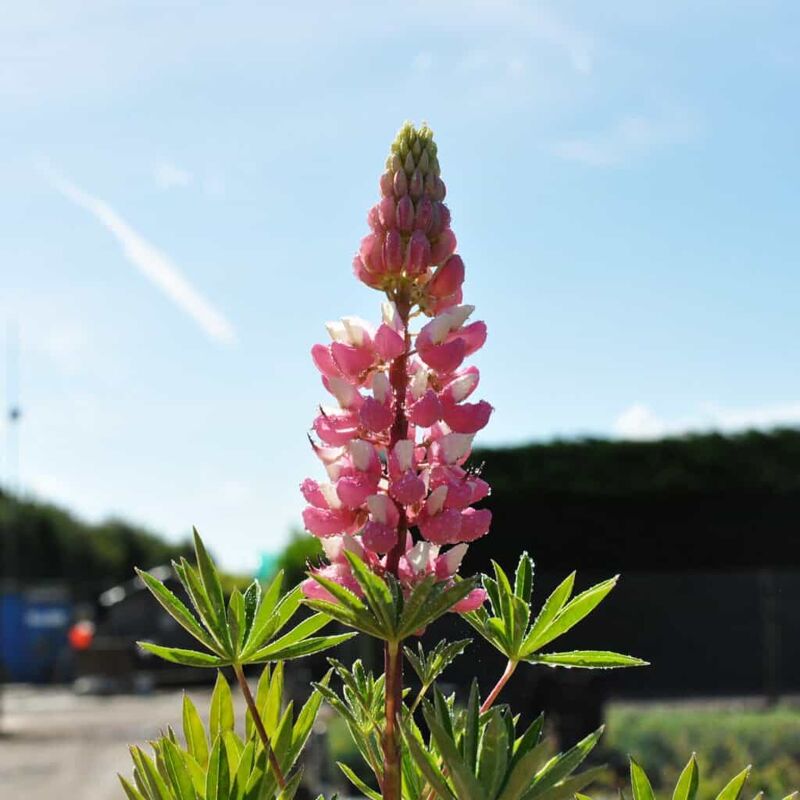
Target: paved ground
60 746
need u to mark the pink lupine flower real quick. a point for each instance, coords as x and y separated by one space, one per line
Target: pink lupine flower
396 443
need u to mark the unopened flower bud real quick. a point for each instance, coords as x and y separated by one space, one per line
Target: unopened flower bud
440 190
419 253
415 185
444 246
422 219
386 211
405 214
400 183
387 183
408 164
430 185
393 250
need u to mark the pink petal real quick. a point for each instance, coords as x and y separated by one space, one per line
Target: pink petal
473 601
408 489
388 343
426 410
448 278
467 417
375 416
336 429
323 360
352 361
353 490
475 523
461 386
378 537
313 494
473 335
328 522
443 528
443 357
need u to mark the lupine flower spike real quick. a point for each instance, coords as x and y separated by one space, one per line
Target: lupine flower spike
400 423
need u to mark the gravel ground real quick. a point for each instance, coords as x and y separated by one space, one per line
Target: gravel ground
60 746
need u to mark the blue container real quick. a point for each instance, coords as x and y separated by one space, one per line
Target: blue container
33 633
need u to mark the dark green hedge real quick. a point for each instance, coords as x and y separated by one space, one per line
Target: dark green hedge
40 542
710 502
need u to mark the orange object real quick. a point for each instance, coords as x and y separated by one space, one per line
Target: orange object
81 635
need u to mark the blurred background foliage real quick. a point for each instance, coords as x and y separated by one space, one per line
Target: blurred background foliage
726 736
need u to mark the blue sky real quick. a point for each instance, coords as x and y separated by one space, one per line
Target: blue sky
184 185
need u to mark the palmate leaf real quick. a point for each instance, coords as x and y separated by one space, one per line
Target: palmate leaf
429 666
249 630
506 624
384 612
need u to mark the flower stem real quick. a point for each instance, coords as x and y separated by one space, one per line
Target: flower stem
259 723
507 673
393 662
393 651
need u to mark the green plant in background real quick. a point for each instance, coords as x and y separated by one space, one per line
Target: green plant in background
394 518
687 786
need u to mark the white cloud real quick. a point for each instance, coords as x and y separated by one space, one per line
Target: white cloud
631 137
155 265
169 176
639 421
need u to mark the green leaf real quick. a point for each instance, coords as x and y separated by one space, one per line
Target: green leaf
440 600
194 588
209 576
572 613
304 723
150 775
522 770
189 658
236 620
686 787
218 775
568 788
265 619
523 578
587 659
177 610
640 783
362 621
427 764
194 732
465 783
554 603
252 600
560 766
357 782
130 792
221 714
734 789
302 631
494 754
377 594
306 647
178 773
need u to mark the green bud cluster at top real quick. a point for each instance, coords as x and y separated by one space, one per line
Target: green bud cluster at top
413 149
